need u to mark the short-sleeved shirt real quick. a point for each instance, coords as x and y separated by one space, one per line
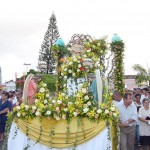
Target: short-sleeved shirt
144 128
6 104
128 113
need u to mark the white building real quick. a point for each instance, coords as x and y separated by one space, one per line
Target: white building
130 82
10 86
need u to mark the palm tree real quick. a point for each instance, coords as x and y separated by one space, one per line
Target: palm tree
143 75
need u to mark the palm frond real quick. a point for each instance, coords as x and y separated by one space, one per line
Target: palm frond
140 70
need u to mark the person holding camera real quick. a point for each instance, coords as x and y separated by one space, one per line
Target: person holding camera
144 128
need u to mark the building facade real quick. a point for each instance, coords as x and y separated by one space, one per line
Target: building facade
130 82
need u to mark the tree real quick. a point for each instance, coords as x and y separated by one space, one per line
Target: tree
143 75
46 53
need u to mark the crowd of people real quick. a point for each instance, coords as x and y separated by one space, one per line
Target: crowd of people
134 125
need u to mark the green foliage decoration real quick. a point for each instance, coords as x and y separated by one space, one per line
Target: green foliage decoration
50 81
117 48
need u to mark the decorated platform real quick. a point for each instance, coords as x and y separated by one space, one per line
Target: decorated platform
80 114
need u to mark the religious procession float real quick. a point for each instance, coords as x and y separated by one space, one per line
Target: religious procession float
80 115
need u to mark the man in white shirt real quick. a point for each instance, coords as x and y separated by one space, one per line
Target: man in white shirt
117 98
128 118
145 94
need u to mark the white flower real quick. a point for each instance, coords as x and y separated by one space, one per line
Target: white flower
42 90
85 105
89 103
63 94
44 84
57 108
36 100
86 97
48 112
34 107
86 110
65 69
84 56
94 46
73 74
64 85
26 106
37 113
65 77
53 101
78 70
84 90
69 103
65 109
70 63
45 101
62 74
112 108
99 111
114 114
18 114
70 71
75 114
57 118
89 50
47 95
79 66
59 101
64 117
106 111
18 107
99 44
75 59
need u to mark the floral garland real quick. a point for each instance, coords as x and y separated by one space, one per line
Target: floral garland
118 48
64 107
74 67
59 53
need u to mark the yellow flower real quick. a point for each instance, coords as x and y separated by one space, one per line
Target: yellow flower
71 108
22 105
40 96
91 113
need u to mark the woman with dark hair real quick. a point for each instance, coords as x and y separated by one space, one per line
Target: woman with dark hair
5 106
144 128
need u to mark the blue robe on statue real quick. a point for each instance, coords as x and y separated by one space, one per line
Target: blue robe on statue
93 89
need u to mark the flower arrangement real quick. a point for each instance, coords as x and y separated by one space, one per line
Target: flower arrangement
65 107
98 49
74 67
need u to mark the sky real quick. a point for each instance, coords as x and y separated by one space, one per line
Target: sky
23 24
